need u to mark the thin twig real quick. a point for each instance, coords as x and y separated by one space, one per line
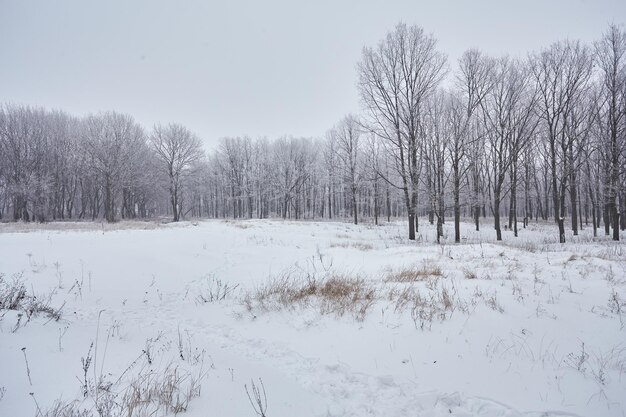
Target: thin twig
27 367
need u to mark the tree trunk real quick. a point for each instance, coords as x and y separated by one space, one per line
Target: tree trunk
354 206
593 212
457 204
574 197
376 202
496 215
388 206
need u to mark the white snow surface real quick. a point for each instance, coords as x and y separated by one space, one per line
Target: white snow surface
515 347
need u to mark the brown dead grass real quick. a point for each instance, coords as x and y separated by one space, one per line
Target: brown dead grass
469 274
363 246
85 226
239 224
426 307
336 294
414 273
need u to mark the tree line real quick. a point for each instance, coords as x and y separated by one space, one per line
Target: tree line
540 137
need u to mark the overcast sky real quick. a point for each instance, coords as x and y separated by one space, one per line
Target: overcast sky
257 68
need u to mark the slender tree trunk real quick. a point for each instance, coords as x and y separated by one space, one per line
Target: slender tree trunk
496 214
108 200
354 206
513 201
555 196
376 203
457 203
388 205
573 194
431 184
476 197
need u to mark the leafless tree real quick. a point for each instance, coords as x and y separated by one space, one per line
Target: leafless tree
112 141
23 150
507 114
177 150
562 74
474 80
611 60
292 159
549 130
437 132
330 166
373 168
346 135
394 80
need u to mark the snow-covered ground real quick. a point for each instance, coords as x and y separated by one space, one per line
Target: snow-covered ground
524 327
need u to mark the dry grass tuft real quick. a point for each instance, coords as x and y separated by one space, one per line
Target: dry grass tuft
15 297
414 274
85 226
215 289
152 390
437 304
164 392
238 224
168 392
335 294
356 245
469 274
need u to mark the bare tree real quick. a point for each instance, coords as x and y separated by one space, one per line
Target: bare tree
292 159
25 159
611 59
329 161
374 164
551 132
346 135
562 73
474 80
507 114
112 142
394 80
436 140
177 149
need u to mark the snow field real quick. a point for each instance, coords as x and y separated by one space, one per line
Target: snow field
523 327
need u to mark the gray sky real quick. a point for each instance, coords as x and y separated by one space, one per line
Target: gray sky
258 67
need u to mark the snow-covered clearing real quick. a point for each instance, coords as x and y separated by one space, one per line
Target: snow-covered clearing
334 319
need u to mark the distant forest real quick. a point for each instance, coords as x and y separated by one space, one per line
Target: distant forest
513 139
